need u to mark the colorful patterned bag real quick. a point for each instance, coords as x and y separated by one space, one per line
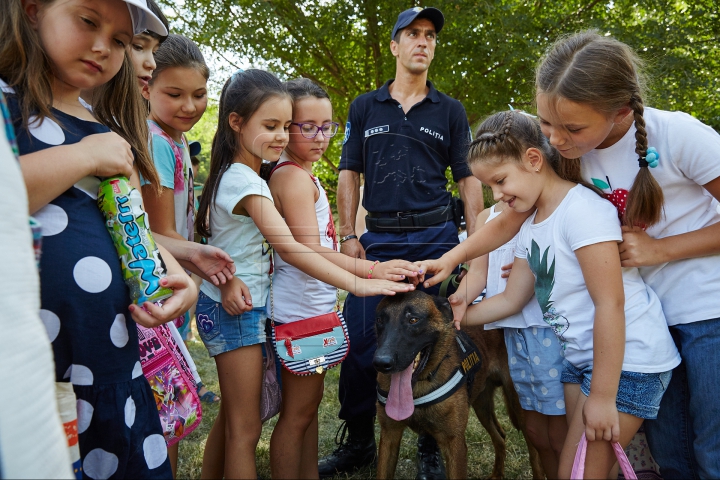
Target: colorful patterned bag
312 345
171 381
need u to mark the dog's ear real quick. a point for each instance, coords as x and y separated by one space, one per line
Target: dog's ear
443 304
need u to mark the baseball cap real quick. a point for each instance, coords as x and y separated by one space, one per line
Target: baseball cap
144 19
195 148
407 17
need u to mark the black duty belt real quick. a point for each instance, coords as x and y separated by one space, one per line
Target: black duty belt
406 221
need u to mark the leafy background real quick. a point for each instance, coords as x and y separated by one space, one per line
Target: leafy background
485 57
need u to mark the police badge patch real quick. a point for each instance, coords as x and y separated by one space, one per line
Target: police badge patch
347 132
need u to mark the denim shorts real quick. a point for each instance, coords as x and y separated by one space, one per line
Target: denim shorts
639 394
536 360
222 332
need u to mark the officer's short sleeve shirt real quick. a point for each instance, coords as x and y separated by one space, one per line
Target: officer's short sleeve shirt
404 156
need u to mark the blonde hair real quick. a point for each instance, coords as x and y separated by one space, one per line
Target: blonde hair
25 67
604 73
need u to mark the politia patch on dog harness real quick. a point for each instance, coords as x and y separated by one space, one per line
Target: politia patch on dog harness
463 374
375 130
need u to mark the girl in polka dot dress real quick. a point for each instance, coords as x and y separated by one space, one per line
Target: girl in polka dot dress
614 372
68 46
535 356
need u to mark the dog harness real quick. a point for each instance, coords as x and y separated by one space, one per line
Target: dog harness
463 374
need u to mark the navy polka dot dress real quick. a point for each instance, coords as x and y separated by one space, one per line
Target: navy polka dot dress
85 311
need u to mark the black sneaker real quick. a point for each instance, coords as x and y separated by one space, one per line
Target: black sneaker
353 453
430 464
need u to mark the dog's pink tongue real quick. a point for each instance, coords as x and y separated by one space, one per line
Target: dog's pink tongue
399 404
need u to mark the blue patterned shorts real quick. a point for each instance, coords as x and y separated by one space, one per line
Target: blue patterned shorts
535 358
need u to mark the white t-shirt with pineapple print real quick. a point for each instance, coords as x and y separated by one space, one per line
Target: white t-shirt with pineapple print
582 219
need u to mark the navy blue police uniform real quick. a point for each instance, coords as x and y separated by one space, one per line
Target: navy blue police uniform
404 157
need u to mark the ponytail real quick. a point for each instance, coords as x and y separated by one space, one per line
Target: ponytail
645 199
243 94
605 74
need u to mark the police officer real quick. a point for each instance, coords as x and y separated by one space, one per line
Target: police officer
402 137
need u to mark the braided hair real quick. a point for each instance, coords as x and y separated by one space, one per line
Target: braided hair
506 136
604 73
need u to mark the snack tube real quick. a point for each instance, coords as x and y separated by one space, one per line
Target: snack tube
126 221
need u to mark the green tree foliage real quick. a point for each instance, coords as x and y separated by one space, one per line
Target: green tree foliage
486 53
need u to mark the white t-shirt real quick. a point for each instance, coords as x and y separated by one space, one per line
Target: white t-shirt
582 219
689 157
238 235
531 316
296 294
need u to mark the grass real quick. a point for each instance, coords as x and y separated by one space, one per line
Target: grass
480 450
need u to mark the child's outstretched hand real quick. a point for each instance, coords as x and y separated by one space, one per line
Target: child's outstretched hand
440 269
397 271
235 296
370 288
184 297
459 306
601 418
108 155
214 263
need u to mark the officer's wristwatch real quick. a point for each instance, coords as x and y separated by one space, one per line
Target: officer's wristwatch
347 237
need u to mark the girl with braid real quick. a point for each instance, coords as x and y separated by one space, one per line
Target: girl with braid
610 325
662 171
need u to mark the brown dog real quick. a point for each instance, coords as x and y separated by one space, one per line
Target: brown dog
419 356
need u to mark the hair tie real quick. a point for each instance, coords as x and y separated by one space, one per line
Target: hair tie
650 159
521 111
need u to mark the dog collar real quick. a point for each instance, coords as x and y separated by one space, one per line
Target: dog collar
464 373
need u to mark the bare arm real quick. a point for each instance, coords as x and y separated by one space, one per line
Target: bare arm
639 249
601 269
50 172
160 207
471 286
208 262
205 261
348 199
519 291
277 233
486 238
473 283
295 195
472 196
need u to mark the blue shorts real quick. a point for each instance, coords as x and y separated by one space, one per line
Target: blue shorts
222 332
535 358
639 394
